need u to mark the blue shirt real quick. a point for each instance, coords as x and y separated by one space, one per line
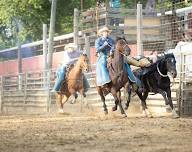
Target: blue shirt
70 57
104 50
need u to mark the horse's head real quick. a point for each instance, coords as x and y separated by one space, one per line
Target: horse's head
170 64
122 46
83 61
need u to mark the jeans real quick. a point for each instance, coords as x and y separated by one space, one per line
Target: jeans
60 77
85 83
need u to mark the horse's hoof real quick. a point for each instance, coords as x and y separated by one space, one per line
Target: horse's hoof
144 114
126 107
106 112
175 116
60 111
124 115
114 108
150 116
73 100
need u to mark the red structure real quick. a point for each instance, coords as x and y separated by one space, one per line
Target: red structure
36 63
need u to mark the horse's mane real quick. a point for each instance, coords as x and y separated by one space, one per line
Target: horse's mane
165 56
120 38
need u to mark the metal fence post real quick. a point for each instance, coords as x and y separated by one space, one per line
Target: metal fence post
139 29
48 90
45 53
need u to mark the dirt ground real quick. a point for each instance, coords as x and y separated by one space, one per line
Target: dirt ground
88 132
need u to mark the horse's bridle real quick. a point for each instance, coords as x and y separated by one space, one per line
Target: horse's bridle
123 47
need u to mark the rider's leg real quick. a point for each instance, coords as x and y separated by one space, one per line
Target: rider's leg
60 78
136 83
85 83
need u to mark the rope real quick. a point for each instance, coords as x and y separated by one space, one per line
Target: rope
161 74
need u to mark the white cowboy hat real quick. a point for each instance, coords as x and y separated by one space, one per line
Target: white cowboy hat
70 46
103 30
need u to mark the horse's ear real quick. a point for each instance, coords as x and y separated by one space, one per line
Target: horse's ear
84 53
118 38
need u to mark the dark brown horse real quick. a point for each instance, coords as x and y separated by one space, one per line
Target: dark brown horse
117 74
73 83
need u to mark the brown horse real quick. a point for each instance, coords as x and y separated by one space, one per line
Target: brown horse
117 74
73 83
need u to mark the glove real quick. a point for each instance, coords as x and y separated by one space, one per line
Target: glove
111 54
144 62
105 44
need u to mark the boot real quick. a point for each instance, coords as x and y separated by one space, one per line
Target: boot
134 87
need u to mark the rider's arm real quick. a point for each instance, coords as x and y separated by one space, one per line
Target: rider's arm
112 49
141 63
133 61
99 47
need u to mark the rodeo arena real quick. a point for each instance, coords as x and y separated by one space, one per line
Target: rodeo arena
113 117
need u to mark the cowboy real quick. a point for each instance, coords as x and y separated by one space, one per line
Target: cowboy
105 46
71 55
137 84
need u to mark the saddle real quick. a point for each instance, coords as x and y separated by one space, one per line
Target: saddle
64 85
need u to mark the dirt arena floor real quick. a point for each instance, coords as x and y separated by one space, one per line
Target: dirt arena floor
94 132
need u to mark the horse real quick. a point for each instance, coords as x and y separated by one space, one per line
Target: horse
118 76
156 79
73 82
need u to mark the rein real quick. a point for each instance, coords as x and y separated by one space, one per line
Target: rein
118 50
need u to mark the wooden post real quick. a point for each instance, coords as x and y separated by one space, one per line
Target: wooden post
25 88
139 30
48 92
87 46
51 33
45 54
107 13
81 5
97 16
75 26
1 94
50 48
19 55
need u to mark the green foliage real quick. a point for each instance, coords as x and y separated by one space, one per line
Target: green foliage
31 14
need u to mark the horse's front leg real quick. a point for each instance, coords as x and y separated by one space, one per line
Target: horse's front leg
117 97
102 99
73 96
167 96
59 103
143 98
83 99
128 92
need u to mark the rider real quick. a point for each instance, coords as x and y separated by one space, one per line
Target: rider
137 84
71 55
104 45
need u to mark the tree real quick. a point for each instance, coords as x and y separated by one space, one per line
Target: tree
31 14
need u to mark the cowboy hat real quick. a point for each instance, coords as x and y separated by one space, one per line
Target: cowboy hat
103 30
70 46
